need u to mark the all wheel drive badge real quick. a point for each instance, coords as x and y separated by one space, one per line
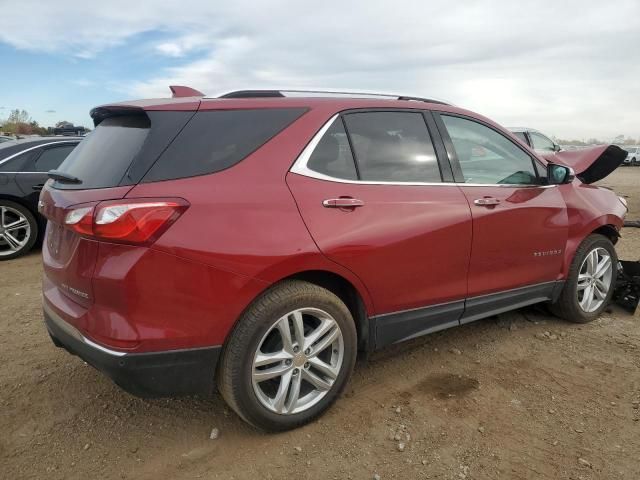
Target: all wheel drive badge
547 253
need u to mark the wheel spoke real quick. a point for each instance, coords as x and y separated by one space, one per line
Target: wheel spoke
585 303
602 267
263 359
316 381
592 261
20 223
298 328
324 368
583 281
325 325
598 294
326 341
283 389
14 244
294 392
285 333
269 373
601 285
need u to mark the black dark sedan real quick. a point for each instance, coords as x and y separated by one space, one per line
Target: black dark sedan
23 170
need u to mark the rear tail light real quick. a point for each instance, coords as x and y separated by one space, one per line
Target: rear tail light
138 222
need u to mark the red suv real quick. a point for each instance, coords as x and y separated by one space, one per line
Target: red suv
259 240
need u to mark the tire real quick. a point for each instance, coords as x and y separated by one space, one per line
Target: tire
569 305
260 326
22 239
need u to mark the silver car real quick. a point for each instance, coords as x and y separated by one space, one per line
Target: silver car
535 139
633 156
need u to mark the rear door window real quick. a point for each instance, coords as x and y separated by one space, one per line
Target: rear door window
218 139
393 147
102 159
332 156
540 142
51 158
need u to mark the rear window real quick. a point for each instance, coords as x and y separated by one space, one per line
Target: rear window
215 140
102 159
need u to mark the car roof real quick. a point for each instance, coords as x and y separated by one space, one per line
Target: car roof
524 129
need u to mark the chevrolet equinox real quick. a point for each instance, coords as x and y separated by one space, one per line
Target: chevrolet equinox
256 242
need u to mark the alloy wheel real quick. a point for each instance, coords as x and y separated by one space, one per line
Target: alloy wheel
594 279
15 231
297 361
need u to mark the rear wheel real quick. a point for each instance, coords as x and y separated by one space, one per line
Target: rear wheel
289 357
590 283
18 230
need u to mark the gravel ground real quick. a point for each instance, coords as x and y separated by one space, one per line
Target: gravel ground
522 395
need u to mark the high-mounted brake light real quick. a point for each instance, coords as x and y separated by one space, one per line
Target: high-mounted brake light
137 222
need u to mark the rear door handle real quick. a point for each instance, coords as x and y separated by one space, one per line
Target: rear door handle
486 201
342 203
38 187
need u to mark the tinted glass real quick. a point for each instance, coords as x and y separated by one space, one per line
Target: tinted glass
486 156
19 162
522 137
393 147
540 142
51 158
218 139
101 160
332 156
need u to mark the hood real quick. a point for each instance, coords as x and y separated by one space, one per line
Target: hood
590 164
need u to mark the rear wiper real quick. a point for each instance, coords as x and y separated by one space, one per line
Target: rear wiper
63 177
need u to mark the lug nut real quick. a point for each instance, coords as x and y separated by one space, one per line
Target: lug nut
288 361
307 351
307 365
296 349
295 371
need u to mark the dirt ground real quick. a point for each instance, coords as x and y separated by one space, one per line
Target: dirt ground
496 399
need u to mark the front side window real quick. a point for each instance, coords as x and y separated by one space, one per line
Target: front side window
332 156
540 142
393 147
521 136
51 158
486 156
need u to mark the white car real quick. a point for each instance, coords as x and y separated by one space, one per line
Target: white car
536 140
633 156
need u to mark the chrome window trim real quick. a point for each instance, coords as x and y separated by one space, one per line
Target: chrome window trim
300 167
5 160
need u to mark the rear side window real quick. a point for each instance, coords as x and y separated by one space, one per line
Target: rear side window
218 139
393 147
522 137
102 159
51 158
332 156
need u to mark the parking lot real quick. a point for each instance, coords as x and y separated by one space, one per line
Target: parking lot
522 395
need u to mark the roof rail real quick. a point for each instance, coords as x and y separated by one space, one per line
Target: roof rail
327 93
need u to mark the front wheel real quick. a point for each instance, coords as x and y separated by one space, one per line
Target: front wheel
591 281
289 357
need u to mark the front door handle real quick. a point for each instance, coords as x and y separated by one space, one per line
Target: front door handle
38 187
347 202
486 201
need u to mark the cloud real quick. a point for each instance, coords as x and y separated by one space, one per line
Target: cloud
569 68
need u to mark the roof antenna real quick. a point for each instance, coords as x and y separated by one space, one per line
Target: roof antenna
182 91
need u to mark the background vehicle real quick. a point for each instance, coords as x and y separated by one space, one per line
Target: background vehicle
633 156
23 170
298 231
4 138
535 139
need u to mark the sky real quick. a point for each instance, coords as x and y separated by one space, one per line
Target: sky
568 68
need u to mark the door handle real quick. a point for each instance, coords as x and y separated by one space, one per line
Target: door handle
347 202
486 201
38 187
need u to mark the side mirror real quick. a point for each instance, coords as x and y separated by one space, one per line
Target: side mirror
559 174
556 147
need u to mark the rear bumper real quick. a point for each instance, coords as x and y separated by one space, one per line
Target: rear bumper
154 374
